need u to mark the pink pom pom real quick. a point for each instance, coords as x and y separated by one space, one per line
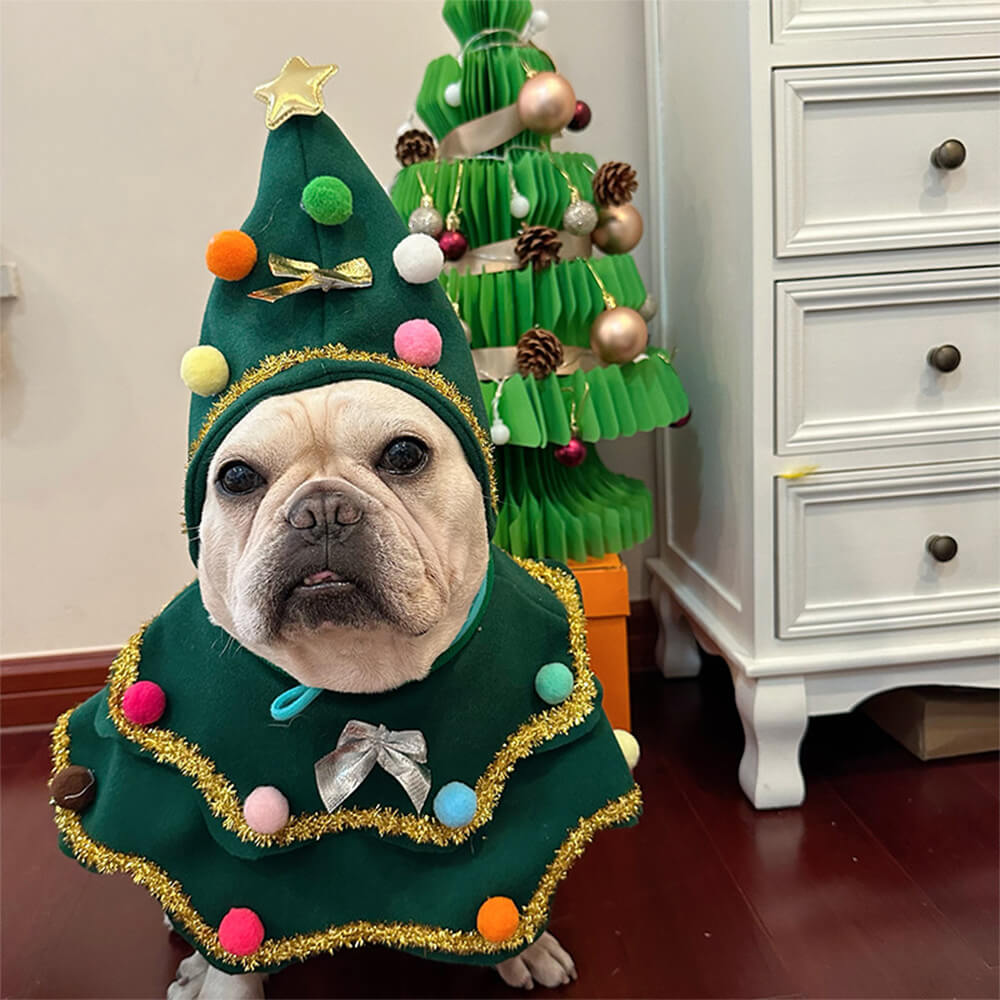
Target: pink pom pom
418 342
143 702
266 809
241 932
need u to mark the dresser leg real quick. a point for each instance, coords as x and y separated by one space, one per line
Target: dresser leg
677 653
774 717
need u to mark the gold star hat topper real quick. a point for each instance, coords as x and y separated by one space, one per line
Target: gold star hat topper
296 90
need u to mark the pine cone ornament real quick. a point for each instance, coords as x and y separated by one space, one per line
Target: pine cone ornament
414 146
538 246
539 353
614 183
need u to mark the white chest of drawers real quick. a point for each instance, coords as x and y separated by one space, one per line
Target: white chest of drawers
831 514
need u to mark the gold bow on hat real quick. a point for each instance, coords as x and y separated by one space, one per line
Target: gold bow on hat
356 273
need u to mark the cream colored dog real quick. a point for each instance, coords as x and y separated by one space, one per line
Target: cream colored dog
344 539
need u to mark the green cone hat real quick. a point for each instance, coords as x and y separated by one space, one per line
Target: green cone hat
330 300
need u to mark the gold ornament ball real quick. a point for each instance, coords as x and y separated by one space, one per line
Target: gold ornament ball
546 103
618 335
619 229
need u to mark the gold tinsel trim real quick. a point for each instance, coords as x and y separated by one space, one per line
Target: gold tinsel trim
224 802
275 951
274 364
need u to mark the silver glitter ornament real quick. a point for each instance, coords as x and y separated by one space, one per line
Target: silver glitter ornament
425 218
580 218
648 309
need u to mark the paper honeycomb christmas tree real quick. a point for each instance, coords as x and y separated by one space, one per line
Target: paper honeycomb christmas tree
560 337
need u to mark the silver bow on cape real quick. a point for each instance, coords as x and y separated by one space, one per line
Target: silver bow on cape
361 746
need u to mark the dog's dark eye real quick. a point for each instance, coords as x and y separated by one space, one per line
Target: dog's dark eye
403 456
238 478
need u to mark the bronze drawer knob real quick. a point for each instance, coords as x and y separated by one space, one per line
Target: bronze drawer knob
949 155
945 358
942 547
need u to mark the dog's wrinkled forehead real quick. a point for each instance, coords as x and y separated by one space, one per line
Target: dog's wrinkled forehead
350 420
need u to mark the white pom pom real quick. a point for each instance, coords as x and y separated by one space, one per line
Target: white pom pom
519 206
538 21
418 258
453 95
629 747
499 432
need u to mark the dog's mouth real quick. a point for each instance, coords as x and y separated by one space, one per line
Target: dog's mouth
325 579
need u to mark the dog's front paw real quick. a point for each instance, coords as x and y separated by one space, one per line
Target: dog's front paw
545 962
197 980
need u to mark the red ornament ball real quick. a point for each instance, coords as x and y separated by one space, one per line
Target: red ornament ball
571 454
144 702
418 342
241 932
231 255
581 117
453 244
683 421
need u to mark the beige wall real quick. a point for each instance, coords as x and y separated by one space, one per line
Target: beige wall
130 135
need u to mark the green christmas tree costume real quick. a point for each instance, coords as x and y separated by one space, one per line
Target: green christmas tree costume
550 510
167 788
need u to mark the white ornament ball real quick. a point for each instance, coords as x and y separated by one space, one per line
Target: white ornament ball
418 258
453 95
648 309
538 21
426 219
519 206
499 432
580 218
629 747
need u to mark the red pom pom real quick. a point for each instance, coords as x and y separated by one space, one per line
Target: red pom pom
418 342
241 932
143 702
571 454
231 255
453 244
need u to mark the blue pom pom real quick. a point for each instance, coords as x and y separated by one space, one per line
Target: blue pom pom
455 804
553 682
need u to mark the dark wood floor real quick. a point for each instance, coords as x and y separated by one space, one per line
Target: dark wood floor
883 885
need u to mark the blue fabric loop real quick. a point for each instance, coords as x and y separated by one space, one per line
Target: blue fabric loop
290 703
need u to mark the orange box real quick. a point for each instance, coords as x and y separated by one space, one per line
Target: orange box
604 583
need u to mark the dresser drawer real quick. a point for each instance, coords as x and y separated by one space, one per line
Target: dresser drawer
855 361
852 550
853 149
831 20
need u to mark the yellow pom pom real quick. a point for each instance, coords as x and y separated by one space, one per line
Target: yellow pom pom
629 747
204 370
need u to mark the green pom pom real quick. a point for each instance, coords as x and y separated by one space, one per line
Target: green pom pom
328 201
553 682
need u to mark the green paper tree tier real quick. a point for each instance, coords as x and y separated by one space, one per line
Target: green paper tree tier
550 510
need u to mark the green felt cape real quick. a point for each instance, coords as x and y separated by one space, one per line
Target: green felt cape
168 803
169 797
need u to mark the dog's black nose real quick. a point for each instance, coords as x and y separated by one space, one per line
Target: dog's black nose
325 512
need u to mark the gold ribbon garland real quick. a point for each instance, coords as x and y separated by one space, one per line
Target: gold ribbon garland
496 363
491 258
482 133
355 273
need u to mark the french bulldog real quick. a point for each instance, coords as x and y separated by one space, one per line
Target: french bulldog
344 539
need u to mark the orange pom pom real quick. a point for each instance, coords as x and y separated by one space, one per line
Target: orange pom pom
498 918
231 255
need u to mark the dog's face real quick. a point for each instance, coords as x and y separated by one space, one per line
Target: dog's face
343 535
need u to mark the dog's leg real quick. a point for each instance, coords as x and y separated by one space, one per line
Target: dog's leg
197 980
545 962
